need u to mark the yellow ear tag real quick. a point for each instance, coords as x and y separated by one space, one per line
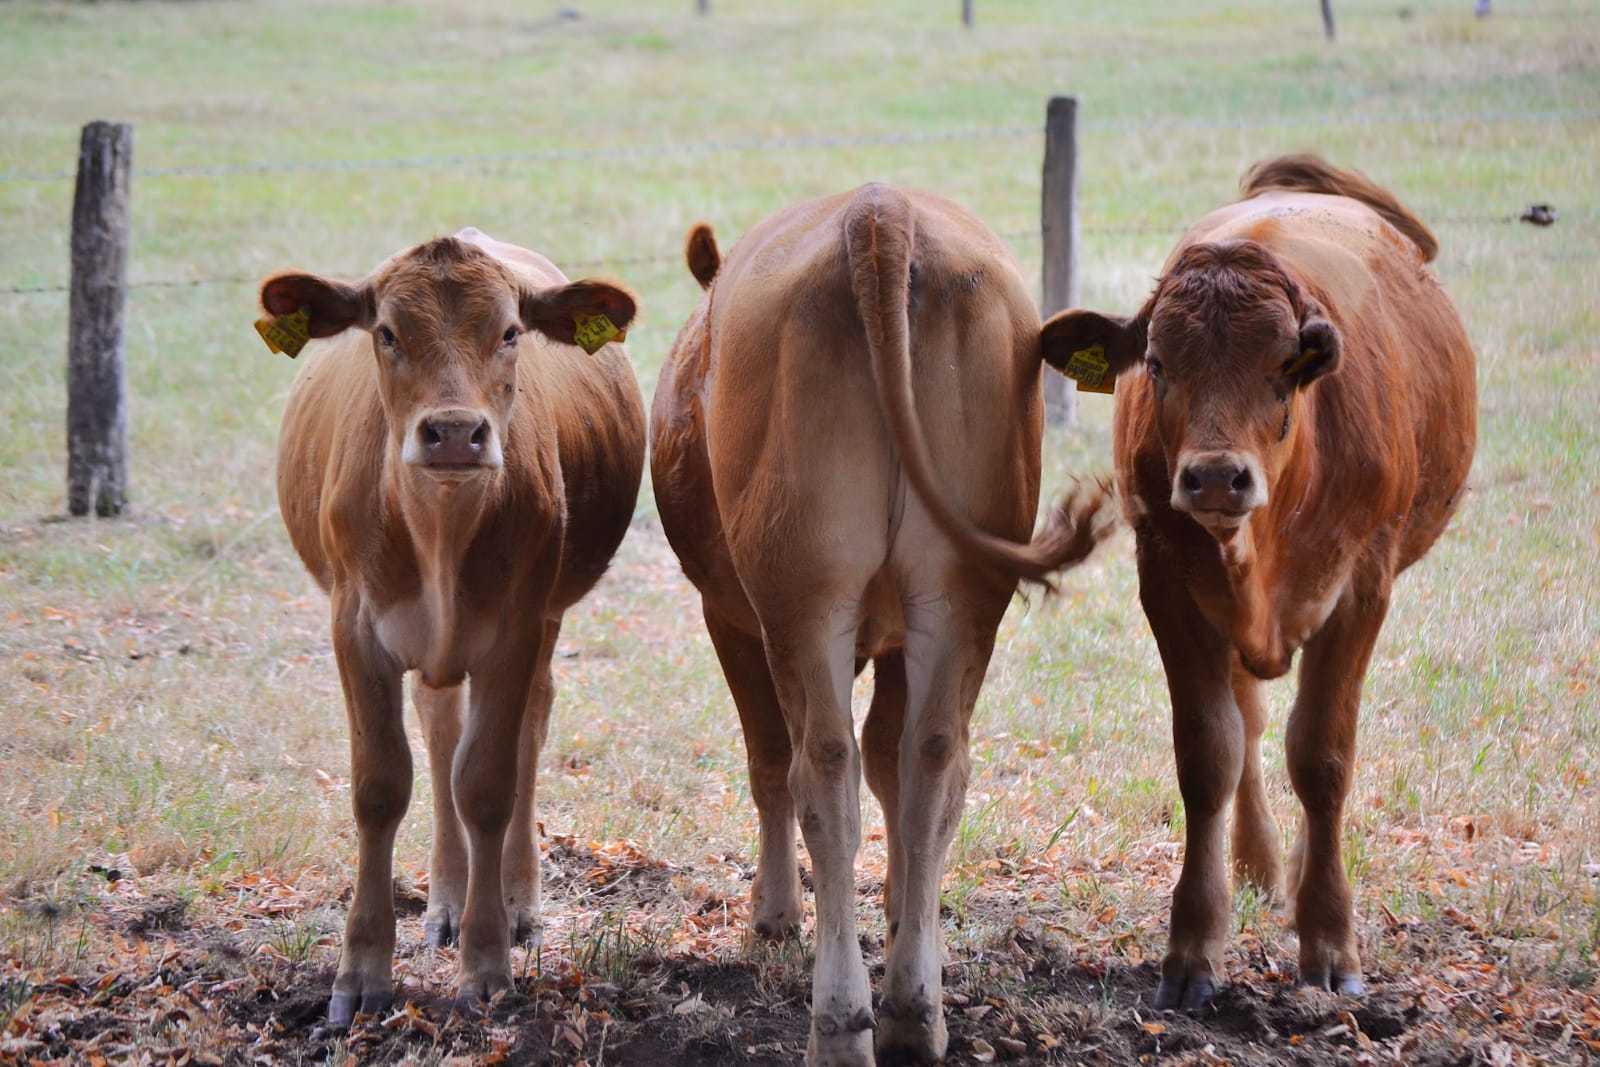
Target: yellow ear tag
287 334
590 332
1091 370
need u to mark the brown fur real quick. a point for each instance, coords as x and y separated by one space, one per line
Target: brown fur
1299 331
456 575
845 458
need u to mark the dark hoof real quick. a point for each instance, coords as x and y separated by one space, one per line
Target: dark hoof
440 932
344 1007
527 932
1344 985
1185 994
776 931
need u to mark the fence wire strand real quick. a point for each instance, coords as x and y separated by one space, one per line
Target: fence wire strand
575 267
809 142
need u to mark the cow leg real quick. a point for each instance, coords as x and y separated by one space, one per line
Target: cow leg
440 712
1255 834
812 661
485 785
1322 754
880 754
775 896
521 858
946 654
380 790
1208 738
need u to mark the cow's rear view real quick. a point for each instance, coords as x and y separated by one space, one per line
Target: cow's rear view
1295 420
846 460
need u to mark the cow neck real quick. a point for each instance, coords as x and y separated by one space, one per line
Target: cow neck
1253 559
443 519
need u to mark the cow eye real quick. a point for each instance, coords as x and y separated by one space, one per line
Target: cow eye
510 336
1153 365
386 336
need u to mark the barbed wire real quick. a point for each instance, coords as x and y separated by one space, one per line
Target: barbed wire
574 267
807 142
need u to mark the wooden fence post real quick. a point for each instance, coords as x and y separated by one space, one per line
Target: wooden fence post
97 406
966 13
1328 29
703 6
1059 229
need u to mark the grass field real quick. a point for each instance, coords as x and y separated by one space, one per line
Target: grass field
173 763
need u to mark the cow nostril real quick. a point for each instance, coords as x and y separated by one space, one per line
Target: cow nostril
480 435
1189 480
430 436
1241 481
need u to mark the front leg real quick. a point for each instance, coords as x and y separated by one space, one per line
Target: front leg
484 780
1322 753
1209 743
380 774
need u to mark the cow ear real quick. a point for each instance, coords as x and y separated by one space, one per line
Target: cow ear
331 306
1120 340
1318 353
572 313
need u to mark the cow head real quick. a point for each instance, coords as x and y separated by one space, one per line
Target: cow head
1229 342
446 320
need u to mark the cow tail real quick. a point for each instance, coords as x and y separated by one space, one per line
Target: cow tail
879 232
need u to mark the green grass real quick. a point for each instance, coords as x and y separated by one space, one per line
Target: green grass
167 681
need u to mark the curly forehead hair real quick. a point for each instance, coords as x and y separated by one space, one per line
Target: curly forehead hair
1225 286
419 276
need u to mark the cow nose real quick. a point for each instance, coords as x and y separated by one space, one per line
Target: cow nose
1218 481
453 439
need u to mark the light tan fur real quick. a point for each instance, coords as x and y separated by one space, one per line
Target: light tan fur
453 573
846 459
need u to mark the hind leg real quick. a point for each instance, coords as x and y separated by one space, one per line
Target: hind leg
948 643
1255 835
775 895
520 860
880 755
812 657
440 711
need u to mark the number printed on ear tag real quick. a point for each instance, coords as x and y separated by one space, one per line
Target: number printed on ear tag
590 332
1091 370
287 334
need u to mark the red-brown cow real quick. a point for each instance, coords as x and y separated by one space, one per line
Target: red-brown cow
845 435
1294 424
456 474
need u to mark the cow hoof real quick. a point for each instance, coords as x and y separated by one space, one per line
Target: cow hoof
441 927
841 1041
476 992
912 1033
1344 985
776 928
344 1007
1185 993
526 929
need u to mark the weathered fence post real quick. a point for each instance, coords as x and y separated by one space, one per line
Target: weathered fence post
703 6
1328 28
1059 229
1481 9
97 405
966 13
